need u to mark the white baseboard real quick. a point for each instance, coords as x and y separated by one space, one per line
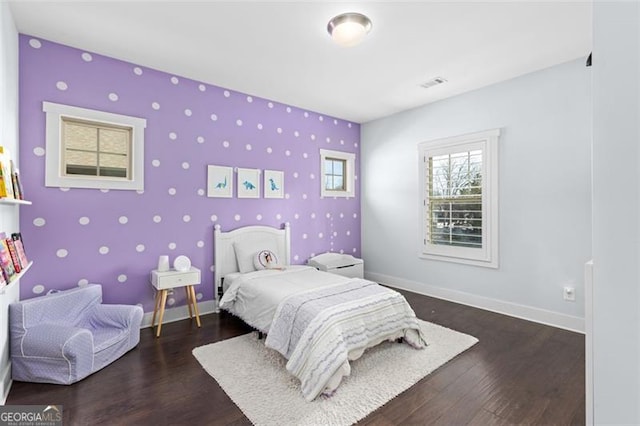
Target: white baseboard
178 313
5 383
529 313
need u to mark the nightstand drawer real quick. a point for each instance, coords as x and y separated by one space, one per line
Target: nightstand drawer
172 279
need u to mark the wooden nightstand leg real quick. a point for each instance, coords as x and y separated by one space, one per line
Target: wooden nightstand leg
163 302
155 308
195 305
186 290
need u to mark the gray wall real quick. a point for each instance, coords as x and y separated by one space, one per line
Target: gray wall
545 202
616 212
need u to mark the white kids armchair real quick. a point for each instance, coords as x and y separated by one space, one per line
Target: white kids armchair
63 337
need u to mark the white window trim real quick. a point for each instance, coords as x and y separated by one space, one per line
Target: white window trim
350 159
54 176
488 255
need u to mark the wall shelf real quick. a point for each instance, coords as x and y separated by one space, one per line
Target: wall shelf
14 201
16 278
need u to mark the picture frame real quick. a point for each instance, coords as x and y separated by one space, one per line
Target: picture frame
248 183
219 181
273 184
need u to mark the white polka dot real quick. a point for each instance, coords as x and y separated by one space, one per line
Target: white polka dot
186 218
155 106
348 233
225 144
288 109
123 220
35 43
173 136
188 112
312 176
313 137
248 147
304 236
335 122
341 141
341 215
38 151
296 133
200 139
214 218
226 94
64 189
202 87
137 71
61 85
296 257
157 219
171 301
238 122
258 217
113 97
349 125
140 248
38 289
279 130
287 153
355 215
287 196
305 155
175 80
236 217
212 268
172 191
341 251
155 163
355 144
328 139
354 250
103 250
140 191
122 278
200 244
62 253
269 150
296 216
270 104
278 216
328 215
172 246
84 220
306 114
321 118
259 126
199 296
39 221
201 192
214 117
104 190
295 175
335 234
83 282
87 57
185 165
313 215
304 196
249 99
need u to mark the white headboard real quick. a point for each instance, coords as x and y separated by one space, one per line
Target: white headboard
224 255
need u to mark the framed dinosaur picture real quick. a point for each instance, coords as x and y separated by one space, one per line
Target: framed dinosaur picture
219 181
273 184
248 183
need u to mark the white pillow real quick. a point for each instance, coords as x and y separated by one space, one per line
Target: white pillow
265 259
246 251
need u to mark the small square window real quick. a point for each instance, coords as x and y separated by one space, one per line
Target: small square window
338 173
93 149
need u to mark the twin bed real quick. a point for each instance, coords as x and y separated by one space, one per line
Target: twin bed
317 320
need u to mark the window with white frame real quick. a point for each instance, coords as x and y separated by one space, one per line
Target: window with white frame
93 149
338 173
459 198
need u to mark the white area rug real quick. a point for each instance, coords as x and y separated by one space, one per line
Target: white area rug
256 379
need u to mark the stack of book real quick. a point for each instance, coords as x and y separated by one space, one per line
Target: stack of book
10 184
13 258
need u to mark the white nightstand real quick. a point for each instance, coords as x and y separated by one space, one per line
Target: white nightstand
165 281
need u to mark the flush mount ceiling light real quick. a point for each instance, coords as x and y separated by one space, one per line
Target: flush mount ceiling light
348 29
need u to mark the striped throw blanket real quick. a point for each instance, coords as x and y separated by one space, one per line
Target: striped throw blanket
316 330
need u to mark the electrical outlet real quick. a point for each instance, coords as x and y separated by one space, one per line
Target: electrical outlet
570 294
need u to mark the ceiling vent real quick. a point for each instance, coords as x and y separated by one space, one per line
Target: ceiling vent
433 82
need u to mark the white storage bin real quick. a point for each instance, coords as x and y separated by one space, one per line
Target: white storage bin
341 264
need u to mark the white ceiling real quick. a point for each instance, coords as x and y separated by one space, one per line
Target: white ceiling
281 50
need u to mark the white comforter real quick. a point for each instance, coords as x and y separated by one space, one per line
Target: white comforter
254 296
320 341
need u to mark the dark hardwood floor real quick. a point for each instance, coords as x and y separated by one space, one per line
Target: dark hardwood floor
519 373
